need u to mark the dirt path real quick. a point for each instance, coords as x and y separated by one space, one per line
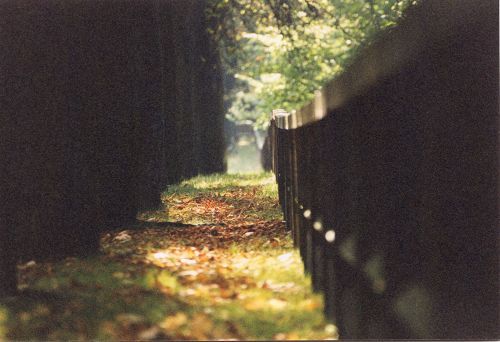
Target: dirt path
226 270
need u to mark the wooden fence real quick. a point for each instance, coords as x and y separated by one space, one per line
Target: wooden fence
388 180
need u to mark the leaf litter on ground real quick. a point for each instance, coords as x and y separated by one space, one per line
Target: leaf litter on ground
222 268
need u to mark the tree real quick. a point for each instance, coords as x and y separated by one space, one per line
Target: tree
278 52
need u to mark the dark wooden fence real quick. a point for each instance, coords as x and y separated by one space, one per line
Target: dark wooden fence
389 179
103 103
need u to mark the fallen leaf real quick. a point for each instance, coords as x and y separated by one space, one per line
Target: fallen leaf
188 261
174 322
151 333
201 326
310 304
188 273
289 336
122 236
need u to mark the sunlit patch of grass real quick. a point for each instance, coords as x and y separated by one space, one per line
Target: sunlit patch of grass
256 193
86 299
274 299
282 302
259 294
270 298
218 187
237 279
288 323
277 265
225 182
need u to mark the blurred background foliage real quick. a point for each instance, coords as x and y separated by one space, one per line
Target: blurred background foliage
276 53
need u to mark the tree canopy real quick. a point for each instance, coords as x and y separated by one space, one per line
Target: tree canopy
277 52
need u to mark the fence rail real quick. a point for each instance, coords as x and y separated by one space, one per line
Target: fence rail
388 180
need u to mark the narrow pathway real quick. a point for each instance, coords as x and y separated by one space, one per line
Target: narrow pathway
225 269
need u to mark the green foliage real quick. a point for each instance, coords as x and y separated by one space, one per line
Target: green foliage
278 52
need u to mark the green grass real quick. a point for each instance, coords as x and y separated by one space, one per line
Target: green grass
262 186
82 299
215 183
285 297
249 288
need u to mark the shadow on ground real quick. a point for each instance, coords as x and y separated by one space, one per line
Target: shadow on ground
233 275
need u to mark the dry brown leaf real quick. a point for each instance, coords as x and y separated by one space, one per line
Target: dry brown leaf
174 322
201 326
